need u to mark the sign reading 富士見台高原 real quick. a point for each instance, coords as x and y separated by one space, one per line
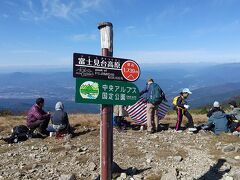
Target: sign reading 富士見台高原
95 91
104 67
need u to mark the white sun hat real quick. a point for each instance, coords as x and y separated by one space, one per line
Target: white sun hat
216 104
186 90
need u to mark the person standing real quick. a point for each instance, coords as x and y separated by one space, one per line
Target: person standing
154 96
119 113
181 106
38 118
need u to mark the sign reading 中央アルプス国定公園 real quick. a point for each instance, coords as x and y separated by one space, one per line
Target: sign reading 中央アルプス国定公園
95 91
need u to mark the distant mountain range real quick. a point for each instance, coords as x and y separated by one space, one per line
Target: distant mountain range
209 82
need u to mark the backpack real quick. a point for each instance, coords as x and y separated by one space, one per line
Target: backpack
174 101
156 95
19 133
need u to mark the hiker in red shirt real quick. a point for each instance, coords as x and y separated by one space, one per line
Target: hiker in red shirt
38 118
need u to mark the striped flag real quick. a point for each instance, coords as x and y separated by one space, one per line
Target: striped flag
138 111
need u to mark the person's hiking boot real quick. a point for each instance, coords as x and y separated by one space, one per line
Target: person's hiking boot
192 129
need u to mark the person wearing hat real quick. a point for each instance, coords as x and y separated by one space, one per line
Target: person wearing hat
216 107
218 121
152 104
234 116
181 107
60 120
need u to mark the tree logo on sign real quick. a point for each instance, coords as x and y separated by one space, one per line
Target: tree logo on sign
89 90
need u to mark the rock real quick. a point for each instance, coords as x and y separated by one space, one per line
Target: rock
67 177
171 175
228 178
225 167
149 160
84 148
138 177
237 157
119 178
92 166
95 176
34 148
236 176
177 158
237 149
218 144
123 175
68 146
228 148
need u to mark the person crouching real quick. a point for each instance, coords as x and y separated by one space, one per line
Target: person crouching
60 120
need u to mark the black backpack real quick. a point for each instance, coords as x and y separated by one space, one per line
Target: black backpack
19 133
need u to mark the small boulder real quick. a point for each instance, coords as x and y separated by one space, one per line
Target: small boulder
172 174
67 177
123 175
92 166
237 157
177 158
228 148
138 177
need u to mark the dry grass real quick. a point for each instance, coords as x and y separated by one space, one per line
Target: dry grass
171 119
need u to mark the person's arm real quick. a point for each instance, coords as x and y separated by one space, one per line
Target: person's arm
66 119
210 122
144 90
163 95
209 114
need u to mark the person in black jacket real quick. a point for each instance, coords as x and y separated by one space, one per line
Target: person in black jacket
216 107
60 119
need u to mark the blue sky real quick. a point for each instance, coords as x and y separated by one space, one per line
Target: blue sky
47 32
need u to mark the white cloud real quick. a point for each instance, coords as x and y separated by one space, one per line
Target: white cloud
68 10
83 37
177 56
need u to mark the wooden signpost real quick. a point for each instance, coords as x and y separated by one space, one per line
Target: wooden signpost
107 81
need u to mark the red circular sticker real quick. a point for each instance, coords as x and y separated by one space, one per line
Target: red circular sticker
130 70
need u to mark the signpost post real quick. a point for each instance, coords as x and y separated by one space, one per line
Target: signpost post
105 80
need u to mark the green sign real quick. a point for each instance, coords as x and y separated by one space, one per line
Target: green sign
96 91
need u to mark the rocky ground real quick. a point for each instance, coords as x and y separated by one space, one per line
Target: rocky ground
165 155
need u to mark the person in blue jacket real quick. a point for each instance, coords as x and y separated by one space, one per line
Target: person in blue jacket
218 121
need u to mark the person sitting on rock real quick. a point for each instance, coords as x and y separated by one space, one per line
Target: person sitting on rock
216 107
60 120
218 121
234 116
38 118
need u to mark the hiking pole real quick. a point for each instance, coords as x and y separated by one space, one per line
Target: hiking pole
106 131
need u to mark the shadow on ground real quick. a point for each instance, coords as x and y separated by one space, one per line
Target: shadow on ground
215 172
